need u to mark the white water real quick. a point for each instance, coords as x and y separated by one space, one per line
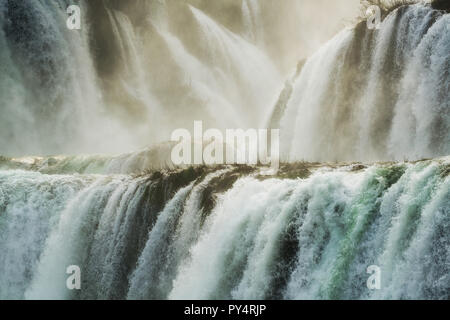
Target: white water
58 97
221 233
365 95
392 104
50 94
252 20
308 238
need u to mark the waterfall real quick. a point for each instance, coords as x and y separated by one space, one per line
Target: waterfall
254 70
228 233
252 19
135 74
374 95
86 177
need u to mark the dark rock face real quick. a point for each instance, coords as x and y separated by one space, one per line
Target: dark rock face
441 5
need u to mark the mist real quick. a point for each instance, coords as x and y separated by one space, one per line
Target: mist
94 204
136 72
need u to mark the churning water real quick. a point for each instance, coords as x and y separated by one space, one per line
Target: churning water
139 228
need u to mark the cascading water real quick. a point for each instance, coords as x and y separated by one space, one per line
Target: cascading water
139 227
374 95
228 233
136 79
252 15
